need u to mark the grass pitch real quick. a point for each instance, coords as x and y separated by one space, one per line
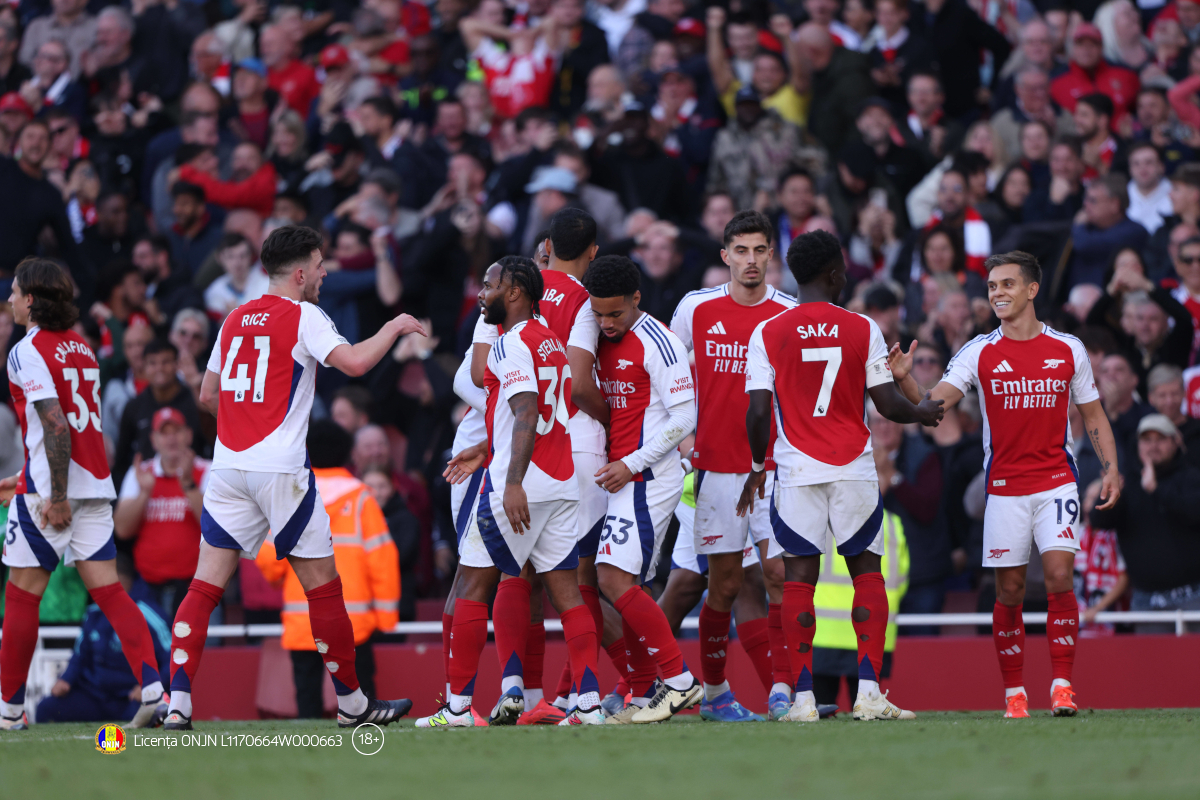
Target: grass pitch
1101 754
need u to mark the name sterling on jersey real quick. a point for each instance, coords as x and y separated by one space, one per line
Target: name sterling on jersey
550 346
1026 393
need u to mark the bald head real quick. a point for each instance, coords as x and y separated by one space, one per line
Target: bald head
816 43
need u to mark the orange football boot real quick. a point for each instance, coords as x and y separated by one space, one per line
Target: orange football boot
1062 701
542 714
1017 707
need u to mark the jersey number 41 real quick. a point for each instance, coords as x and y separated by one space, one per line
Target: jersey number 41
239 382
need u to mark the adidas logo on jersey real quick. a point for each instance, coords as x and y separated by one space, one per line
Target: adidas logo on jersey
1067 640
1003 367
1012 651
718 328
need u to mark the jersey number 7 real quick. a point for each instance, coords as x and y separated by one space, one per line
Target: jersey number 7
832 356
239 383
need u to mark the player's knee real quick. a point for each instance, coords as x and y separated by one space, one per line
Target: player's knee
726 587
1010 590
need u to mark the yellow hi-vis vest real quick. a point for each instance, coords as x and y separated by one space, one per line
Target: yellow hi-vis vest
834 597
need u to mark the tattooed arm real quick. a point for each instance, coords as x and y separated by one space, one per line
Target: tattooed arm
56 512
516 505
1095 421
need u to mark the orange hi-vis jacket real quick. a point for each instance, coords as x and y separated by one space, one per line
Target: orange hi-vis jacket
366 559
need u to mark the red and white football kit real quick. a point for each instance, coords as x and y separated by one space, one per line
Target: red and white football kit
717 329
517 82
528 358
168 540
1025 388
648 384
1191 391
565 310
824 358
59 365
267 355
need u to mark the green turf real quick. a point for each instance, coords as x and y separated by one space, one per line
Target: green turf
1102 754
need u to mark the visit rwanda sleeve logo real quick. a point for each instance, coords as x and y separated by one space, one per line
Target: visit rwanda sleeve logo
110 739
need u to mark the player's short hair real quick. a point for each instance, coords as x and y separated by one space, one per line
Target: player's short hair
1098 102
1031 270
287 247
813 254
160 346
612 276
748 222
53 306
572 232
525 274
329 444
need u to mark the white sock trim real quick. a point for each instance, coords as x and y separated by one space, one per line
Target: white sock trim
181 702
1014 690
712 692
354 703
681 681
781 688
533 697
152 692
460 703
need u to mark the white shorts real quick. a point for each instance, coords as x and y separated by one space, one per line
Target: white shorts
802 517
549 545
463 497
89 537
718 527
242 508
593 501
636 523
684 555
1010 524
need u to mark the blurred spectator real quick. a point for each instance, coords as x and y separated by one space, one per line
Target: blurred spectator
195 234
1101 581
1062 197
167 289
839 81
898 55
881 305
1185 202
251 184
1103 230
293 79
604 205
517 63
405 531
1167 396
657 22
796 196
638 170
904 165
244 279
683 124
955 213
1035 49
427 83
69 22
351 408
120 389
52 84
926 127
108 239
121 302
1088 73
15 74
1118 382
1093 118
366 561
1149 190
1156 519
779 86
585 49
159 506
664 282
751 152
97 684
189 334
957 36
164 390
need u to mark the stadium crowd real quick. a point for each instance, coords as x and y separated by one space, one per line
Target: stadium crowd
150 147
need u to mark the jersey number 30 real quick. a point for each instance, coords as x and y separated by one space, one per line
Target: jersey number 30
558 409
239 383
832 356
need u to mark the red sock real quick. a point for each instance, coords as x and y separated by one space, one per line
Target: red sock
1008 634
535 655
616 654
580 633
797 601
466 644
640 670
651 624
714 639
331 627
189 632
1062 629
870 593
131 628
20 640
447 626
510 619
564 682
591 599
755 641
781 667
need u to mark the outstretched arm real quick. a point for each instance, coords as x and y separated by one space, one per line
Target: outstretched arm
900 363
896 407
56 512
1095 421
718 62
357 359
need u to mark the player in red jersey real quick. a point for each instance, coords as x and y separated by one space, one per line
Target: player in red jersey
528 382
260 383
716 325
1027 373
828 359
644 374
61 500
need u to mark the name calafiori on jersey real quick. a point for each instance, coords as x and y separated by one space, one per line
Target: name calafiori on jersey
729 357
615 391
65 349
1025 393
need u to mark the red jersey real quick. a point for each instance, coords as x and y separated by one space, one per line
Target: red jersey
1120 84
168 540
267 354
1192 304
717 329
1191 392
297 85
824 358
530 358
642 376
59 365
1024 388
516 83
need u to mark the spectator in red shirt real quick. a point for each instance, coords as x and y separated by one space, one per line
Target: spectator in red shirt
159 507
293 79
251 181
1088 73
